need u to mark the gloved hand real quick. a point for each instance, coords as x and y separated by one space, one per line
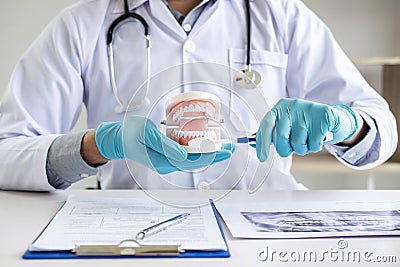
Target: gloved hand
138 139
299 126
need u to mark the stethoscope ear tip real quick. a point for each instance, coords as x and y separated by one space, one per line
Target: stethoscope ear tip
145 101
122 108
119 109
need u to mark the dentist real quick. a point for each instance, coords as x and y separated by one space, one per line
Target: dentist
309 84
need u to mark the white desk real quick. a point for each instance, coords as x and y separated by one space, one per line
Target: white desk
24 215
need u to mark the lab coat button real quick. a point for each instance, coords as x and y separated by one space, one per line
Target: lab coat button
203 185
190 46
187 27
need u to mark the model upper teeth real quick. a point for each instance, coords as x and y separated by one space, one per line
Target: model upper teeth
195 134
192 108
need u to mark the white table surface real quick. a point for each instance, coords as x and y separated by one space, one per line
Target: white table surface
25 214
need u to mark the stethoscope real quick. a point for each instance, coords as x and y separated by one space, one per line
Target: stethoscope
247 78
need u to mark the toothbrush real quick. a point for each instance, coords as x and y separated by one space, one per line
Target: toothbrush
240 140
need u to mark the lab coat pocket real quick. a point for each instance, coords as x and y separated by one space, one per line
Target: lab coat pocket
250 105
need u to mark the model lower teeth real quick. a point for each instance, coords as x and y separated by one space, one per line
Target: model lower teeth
193 115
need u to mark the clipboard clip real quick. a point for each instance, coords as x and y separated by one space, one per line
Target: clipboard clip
128 247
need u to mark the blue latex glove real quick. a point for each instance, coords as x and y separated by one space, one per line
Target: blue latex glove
138 139
299 126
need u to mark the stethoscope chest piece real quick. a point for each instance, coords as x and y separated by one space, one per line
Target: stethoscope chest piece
248 79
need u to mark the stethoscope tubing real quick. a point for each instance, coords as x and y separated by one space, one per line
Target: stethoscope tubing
248 79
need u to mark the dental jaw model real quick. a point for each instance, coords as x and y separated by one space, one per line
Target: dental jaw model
194 115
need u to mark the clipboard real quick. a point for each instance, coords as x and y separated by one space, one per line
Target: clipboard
118 251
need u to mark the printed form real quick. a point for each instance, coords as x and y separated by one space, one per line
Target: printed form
107 221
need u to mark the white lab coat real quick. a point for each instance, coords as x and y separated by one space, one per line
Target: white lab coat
67 66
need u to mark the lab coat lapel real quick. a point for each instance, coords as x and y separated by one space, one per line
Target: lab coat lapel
119 5
206 17
162 15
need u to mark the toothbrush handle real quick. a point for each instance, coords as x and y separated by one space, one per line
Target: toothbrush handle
252 139
244 140
239 140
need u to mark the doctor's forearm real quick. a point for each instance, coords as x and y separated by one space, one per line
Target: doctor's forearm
359 135
89 151
64 162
